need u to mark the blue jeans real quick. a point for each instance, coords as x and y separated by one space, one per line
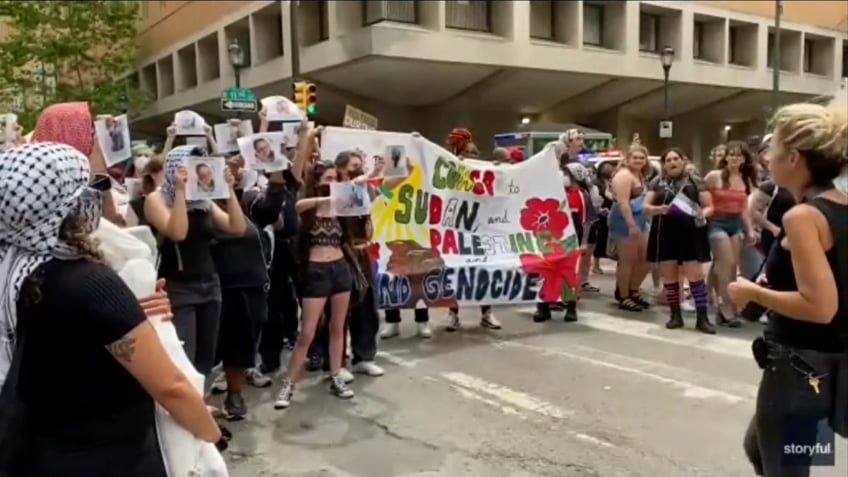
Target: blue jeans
750 261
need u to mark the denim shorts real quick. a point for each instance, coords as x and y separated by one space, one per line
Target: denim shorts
325 279
617 226
731 226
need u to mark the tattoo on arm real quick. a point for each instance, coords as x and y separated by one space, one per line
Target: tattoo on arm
123 349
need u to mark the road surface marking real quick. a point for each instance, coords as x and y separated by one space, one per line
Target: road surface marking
642 368
509 396
466 386
506 410
397 360
735 347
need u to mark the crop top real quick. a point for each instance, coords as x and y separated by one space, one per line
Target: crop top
325 232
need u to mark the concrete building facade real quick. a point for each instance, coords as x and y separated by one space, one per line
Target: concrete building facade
432 65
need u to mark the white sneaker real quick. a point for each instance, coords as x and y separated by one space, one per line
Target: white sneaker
424 330
489 321
284 397
390 330
339 387
256 379
368 368
687 306
219 385
344 375
453 322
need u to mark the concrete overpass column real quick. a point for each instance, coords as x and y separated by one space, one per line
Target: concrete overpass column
631 32
432 15
695 151
516 15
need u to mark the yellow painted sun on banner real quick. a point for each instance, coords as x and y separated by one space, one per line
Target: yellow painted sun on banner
386 204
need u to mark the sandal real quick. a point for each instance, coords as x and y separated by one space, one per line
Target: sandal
729 323
640 301
628 304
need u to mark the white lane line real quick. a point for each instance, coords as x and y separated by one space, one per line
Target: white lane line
509 396
397 360
506 410
645 369
735 347
469 386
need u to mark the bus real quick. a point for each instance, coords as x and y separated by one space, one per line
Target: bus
534 139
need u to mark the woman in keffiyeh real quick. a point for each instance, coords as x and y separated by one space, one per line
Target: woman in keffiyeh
73 124
187 229
65 314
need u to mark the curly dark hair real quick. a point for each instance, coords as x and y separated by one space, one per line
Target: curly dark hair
75 233
747 169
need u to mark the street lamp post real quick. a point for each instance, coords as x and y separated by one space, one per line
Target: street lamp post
666 59
775 60
237 61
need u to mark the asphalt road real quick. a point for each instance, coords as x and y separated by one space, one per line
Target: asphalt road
613 395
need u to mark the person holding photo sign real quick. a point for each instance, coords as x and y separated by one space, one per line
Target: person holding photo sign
326 276
187 229
73 124
677 241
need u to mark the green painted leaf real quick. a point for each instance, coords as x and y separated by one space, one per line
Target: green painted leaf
567 294
570 244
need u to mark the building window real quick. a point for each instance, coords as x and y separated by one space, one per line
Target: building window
698 40
468 15
542 19
403 11
808 56
593 24
845 60
770 51
649 32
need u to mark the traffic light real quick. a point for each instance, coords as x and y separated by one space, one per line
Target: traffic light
305 96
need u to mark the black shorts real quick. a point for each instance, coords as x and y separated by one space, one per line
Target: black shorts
325 279
243 314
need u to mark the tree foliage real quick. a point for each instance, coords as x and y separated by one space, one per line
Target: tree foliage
58 51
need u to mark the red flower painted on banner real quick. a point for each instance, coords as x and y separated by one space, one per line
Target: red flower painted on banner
374 251
556 269
544 215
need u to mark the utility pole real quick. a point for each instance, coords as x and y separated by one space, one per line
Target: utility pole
776 55
294 54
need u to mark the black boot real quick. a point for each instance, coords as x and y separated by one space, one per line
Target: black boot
675 321
571 312
543 313
703 324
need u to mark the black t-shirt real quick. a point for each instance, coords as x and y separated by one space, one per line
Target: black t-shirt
71 384
665 188
287 210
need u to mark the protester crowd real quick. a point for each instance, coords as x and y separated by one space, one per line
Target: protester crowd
271 270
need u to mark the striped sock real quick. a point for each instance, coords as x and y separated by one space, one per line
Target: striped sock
699 295
672 293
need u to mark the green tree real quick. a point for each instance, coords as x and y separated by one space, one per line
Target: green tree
69 51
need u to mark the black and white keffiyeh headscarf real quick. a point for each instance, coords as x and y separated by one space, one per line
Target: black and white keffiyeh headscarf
176 158
41 184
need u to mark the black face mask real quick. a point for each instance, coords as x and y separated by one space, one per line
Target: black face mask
356 173
323 190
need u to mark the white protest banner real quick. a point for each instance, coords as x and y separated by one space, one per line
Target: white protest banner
356 118
456 234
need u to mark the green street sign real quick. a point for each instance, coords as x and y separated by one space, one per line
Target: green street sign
238 100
